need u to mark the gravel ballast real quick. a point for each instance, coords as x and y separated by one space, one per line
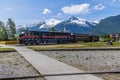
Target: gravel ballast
90 61
12 64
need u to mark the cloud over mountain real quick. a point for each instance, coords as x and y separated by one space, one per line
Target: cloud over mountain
99 7
114 1
76 9
46 11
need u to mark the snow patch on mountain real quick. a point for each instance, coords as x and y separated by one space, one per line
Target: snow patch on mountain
50 23
79 21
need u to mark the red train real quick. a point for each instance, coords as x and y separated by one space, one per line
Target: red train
38 37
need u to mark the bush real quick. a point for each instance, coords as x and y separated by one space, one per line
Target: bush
108 39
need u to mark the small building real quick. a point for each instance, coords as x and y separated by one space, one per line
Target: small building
114 36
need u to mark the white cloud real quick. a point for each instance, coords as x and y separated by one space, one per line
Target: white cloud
46 11
99 7
9 9
114 1
59 14
76 9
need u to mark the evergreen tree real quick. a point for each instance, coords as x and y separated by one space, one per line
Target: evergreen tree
11 29
3 32
51 29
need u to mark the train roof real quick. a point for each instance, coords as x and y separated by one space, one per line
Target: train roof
47 31
77 34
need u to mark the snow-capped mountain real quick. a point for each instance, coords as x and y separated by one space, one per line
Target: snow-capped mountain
49 23
75 25
43 25
36 27
79 21
31 26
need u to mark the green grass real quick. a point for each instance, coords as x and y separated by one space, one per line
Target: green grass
100 44
73 46
8 42
6 49
59 46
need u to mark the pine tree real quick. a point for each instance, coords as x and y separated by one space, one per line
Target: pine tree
51 29
11 29
3 32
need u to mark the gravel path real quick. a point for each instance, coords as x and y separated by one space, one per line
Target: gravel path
90 60
12 64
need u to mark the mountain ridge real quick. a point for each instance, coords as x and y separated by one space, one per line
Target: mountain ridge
109 25
73 25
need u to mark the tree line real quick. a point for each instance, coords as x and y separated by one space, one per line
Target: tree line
7 30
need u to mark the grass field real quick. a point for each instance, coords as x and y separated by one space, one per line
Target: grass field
6 49
8 42
73 46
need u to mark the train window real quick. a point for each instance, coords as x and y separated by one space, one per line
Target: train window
31 33
27 32
43 34
49 33
40 34
36 33
23 32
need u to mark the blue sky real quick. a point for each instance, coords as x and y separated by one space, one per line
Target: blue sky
32 11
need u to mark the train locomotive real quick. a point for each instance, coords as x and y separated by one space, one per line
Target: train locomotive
38 37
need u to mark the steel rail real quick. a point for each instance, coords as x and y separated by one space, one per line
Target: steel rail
62 74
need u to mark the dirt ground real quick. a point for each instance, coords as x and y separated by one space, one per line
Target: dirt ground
90 61
12 64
